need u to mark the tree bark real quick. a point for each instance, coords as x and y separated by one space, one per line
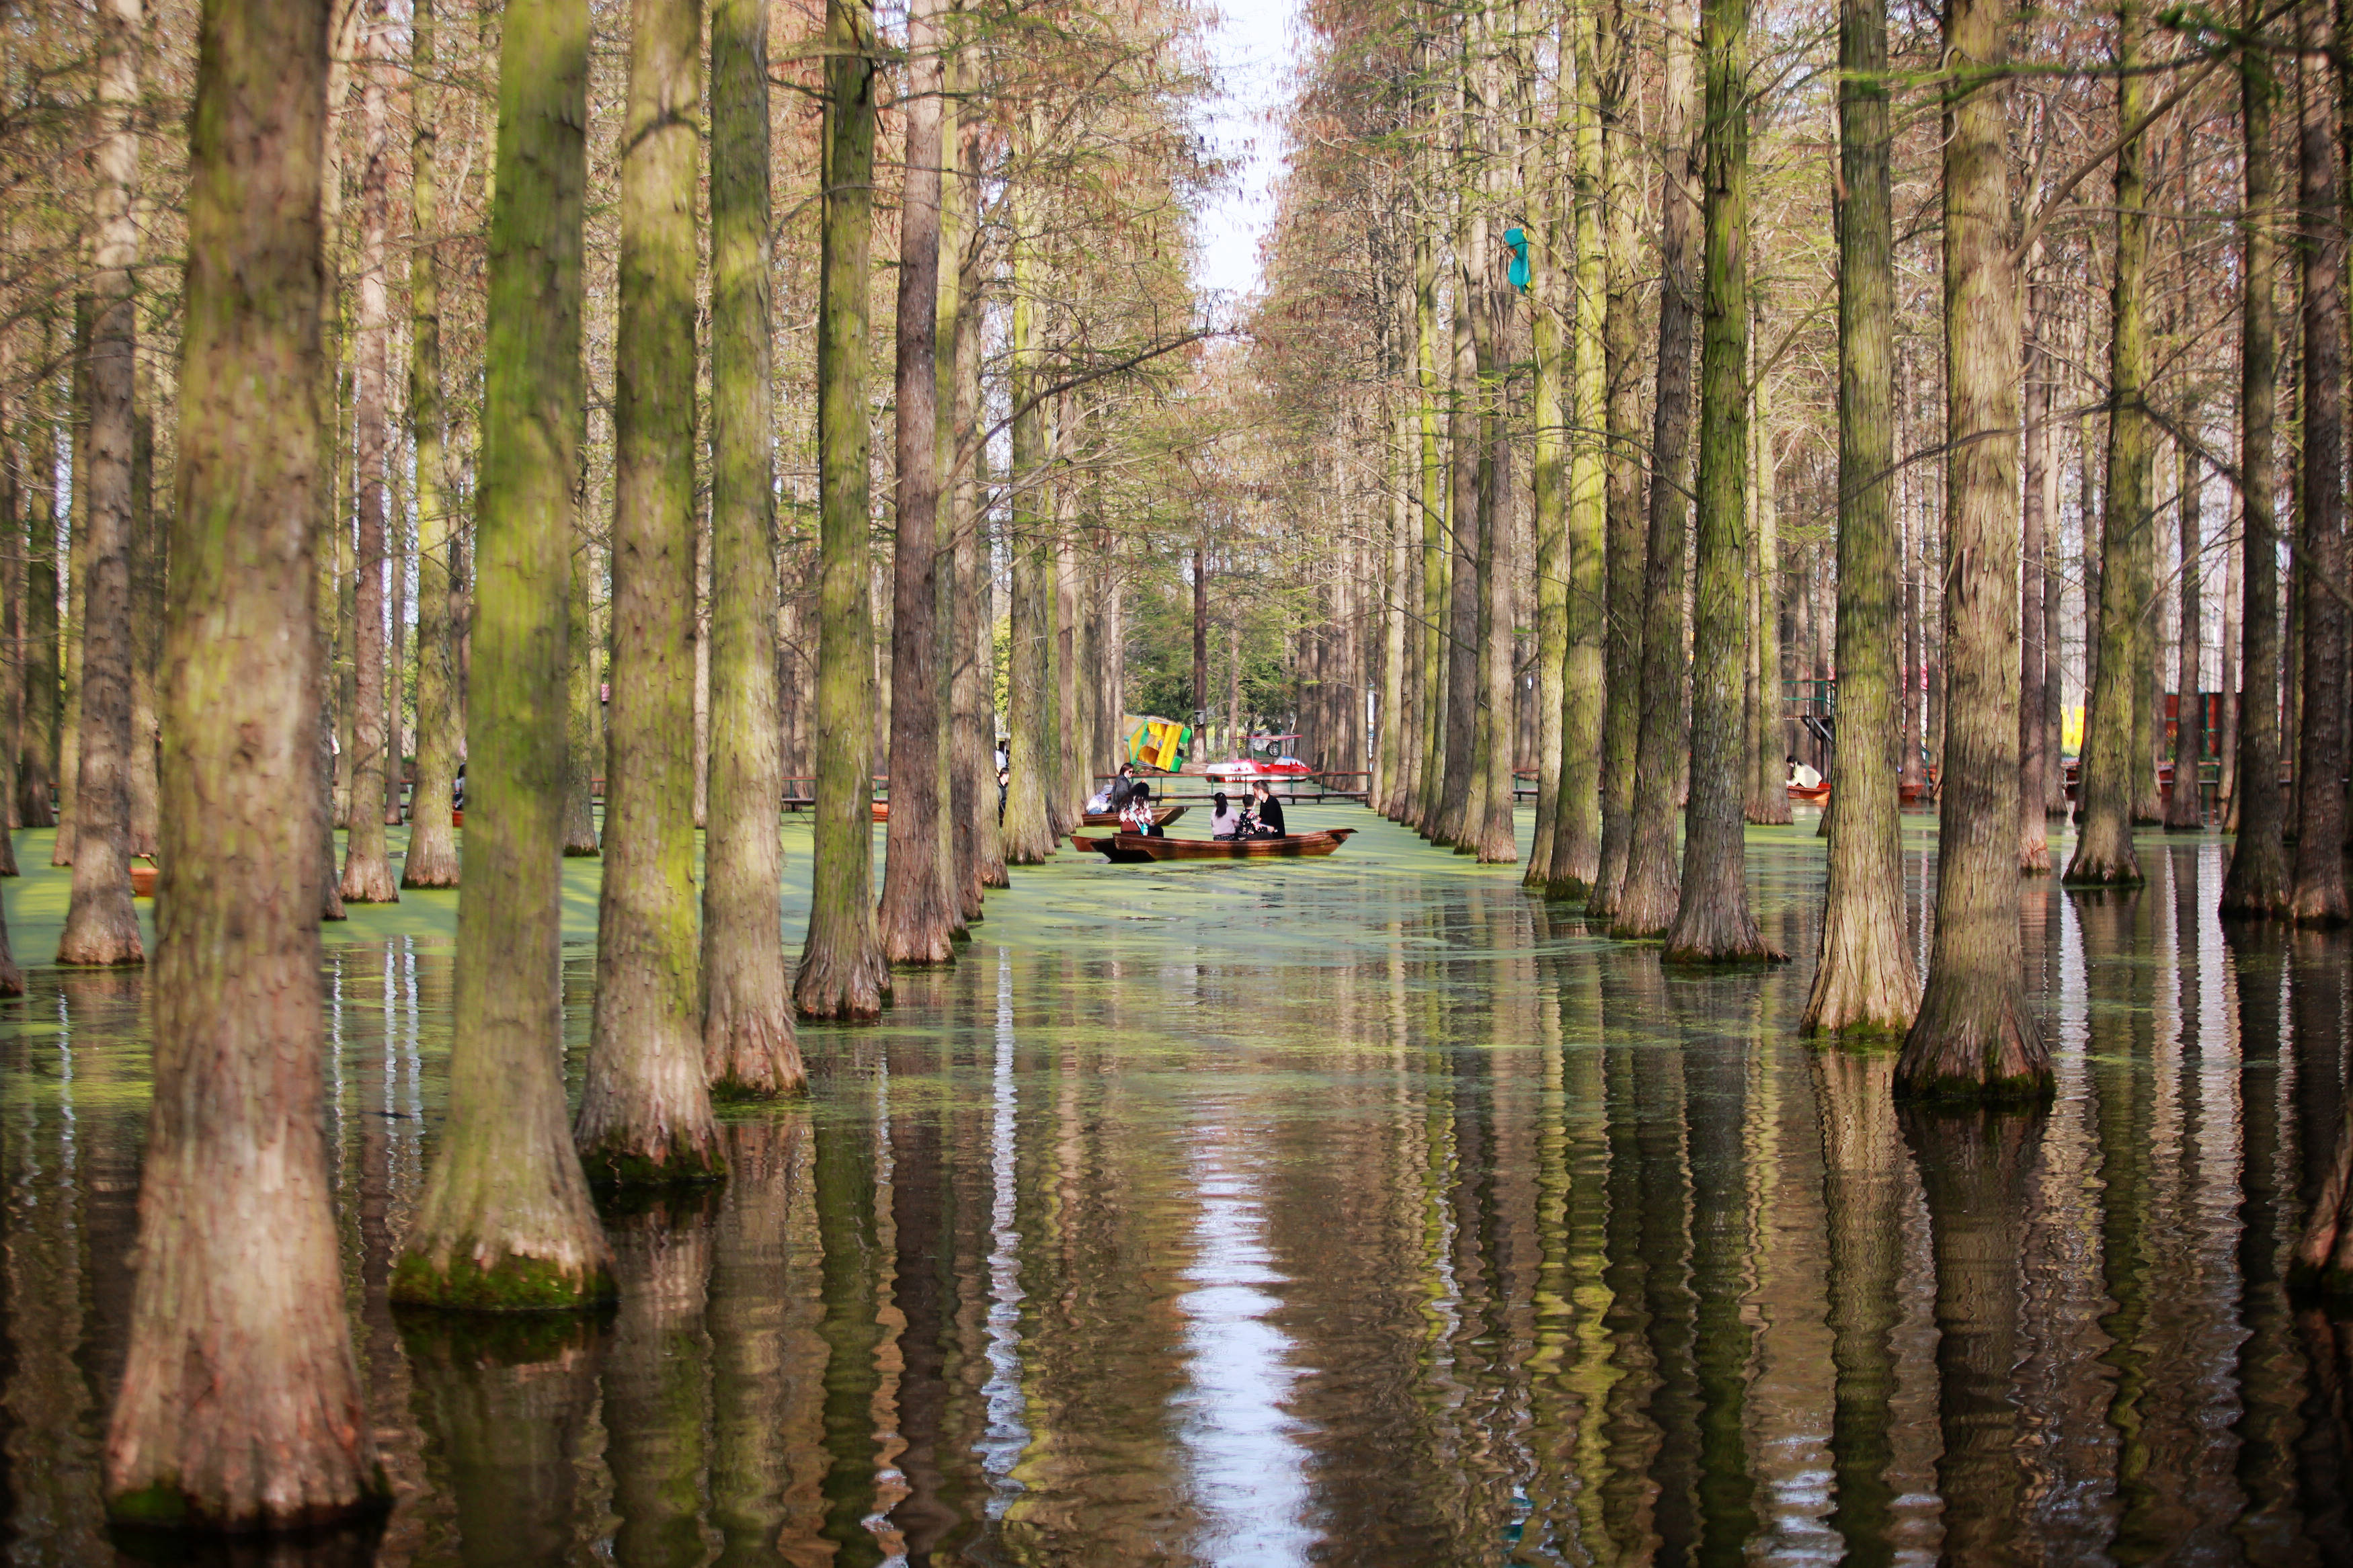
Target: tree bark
367 865
1437 550
142 778
645 1109
504 1223
1864 982
842 974
2255 887
1626 566
2042 487
1547 477
101 926
1975 1039
75 586
1454 826
980 843
2318 894
37 748
917 918
2186 807
582 754
1576 865
1766 774
749 1046
2115 748
240 1405
1713 923
1648 899
432 860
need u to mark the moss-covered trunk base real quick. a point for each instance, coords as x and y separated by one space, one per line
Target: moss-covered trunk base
466 1276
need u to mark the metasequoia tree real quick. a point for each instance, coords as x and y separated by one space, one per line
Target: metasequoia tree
101 927
367 866
2111 759
432 857
505 1221
843 971
1713 923
1625 565
918 918
1028 829
2256 884
1974 1039
1648 898
2317 895
645 1108
2185 807
748 1042
1864 982
240 1404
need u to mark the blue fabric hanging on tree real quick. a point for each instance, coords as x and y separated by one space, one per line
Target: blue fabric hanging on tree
1517 238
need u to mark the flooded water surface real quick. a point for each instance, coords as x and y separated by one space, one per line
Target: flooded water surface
1355 1211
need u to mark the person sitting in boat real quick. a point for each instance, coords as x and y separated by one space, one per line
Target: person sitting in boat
1224 820
1114 796
1270 812
1138 816
1803 776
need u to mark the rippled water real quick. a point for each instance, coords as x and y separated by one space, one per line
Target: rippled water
1353 1211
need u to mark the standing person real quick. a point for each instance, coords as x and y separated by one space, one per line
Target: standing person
1270 812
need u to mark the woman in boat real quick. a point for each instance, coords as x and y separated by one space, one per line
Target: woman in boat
1803 776
1270 812
1224 820
1138 816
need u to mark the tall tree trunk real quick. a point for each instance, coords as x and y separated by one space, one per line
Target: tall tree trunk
1576 867
2318 896
948 644
38 747
917 918
1029 829
2034 534
1548 482
1648 899
842 974
367 865
2113 760
143 780
1488 825
1458 798
1713 924
1621 720
583 752
748 1042
1911 767
1437 551
101 926
240 1405
1975 1039
432 860
645 1105
75 585
1769 793
980 844
505 1222
2186 808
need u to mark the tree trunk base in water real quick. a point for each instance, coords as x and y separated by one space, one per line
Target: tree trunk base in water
1647 907
2091 867
2034 860
1572 890
1724 938
830 986
616 1157
465 1275
368 882
2318 908
1865 988
2323 1259
103 931
1993 1062
751 1053
430 862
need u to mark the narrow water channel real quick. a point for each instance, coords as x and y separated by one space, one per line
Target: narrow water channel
1359 1211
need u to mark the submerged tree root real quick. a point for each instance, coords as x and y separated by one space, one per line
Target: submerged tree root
751 1053
1996 1061
467 1276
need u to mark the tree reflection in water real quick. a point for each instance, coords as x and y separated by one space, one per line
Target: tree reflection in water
1356 1211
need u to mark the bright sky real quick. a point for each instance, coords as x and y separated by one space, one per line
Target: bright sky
1251 49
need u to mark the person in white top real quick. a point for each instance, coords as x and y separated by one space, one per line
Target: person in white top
1803 776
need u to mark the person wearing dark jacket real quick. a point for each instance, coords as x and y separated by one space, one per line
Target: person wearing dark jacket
1270 812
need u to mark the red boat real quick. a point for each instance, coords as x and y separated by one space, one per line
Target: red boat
1161 816
1134 848
1817 796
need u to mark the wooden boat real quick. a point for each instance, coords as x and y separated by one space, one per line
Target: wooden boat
143 880
1817 796
881 811
1134 848
1161 816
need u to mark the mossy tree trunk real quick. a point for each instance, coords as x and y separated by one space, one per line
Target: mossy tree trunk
1455 826
1769 793
75 581
2317 897
842 974
38 747
240 1405
645 1108
505 1222
980 844
1576 862
950 637
1974 1039
367 865
2111 759
2256 885
432 860
1028 831
1712 922
101 927
2035 534
1549 479
1437 553
141 776
2186 807
749 1046
917 919
1648 898
583 752
1627 566
1864 982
